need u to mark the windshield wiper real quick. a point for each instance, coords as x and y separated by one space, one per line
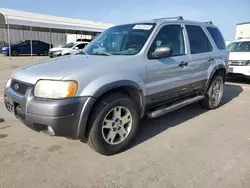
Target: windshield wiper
101 53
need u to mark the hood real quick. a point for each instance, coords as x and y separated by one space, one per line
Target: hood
61 67
57 49
241 56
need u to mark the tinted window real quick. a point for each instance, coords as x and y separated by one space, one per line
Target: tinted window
170 36
239 47
81 46
198 40
217 37
35 42
26 43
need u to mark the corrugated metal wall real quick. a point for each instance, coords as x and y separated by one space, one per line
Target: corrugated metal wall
16 35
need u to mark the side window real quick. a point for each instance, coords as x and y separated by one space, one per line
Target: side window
35 42
217 37
26 43
170 36
81 46
199 43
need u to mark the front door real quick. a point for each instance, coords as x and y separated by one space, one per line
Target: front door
168 78
24 48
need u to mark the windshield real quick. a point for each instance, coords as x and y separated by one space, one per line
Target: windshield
69 45
121 40
239 47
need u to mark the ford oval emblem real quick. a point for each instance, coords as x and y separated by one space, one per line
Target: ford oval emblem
16 86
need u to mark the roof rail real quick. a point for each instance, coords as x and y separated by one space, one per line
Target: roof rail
209 22
170 18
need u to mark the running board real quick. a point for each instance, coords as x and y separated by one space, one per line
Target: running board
166 109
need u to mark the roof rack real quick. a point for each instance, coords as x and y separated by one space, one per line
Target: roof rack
209 22
170 18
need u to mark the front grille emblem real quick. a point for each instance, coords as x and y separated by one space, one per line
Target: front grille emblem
16 87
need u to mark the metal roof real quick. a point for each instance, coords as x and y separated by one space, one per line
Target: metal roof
243 23
21 18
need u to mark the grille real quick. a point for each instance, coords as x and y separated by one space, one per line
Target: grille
238 63
19 87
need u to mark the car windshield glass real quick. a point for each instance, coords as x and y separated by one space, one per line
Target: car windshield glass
121 40
239 47
69 45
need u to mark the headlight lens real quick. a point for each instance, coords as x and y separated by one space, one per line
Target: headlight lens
53 89
8 83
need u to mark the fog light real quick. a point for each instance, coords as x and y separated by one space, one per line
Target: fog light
51 131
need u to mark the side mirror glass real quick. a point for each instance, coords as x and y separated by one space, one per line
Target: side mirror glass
162 52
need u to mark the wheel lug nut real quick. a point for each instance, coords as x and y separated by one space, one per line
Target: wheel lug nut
119 128
114 129
113 124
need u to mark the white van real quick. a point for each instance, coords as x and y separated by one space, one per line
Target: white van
239 58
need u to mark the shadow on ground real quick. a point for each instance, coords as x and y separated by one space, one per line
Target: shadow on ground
152 127
238 80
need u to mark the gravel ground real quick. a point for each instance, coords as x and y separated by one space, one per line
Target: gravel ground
187 148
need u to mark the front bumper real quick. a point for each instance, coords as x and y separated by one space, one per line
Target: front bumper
54 54
64 117
239 70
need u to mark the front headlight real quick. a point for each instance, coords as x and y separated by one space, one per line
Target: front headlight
248 63
53 89
8 83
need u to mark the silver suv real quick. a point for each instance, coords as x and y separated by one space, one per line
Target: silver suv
145 68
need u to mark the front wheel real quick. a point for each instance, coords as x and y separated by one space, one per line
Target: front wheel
214 94
114 123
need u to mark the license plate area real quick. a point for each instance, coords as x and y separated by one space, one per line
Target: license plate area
10 104
231 69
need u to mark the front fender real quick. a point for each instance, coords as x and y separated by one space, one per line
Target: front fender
105 83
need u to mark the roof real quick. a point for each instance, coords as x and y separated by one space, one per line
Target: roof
243 23
14 17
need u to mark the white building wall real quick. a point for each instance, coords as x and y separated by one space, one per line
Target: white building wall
242 31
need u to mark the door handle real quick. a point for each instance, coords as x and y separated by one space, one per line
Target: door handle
183 64
210 59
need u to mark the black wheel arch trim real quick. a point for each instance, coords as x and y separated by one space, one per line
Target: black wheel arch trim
87 108
213 73
123 83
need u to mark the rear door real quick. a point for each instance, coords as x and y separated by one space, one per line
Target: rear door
202 56
166 77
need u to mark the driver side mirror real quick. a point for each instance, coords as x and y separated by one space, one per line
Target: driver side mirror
76 48
162 52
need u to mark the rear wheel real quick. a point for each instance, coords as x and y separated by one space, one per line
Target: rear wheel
114 123
214 93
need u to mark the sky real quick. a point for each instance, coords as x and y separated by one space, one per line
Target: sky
223 13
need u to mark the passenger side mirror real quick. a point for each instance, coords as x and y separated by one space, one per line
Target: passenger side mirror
76 48
161 52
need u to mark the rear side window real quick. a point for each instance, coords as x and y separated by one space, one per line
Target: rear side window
199 43
217 37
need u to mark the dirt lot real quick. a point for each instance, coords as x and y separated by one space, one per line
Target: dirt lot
190 147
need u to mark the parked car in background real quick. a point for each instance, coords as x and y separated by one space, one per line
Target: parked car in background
239 58
145 68
24 48
69 49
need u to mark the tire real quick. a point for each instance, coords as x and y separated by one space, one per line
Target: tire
103 124
45 52
213 97
14 53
